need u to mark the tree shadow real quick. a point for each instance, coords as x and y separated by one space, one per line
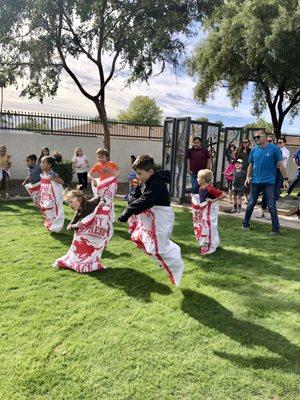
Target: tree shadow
134 283
212 314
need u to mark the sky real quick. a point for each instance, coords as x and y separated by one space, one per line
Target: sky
173 92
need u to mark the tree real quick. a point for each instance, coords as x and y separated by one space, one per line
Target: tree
261 123
142 110
257 42
202 119
40 39
219 122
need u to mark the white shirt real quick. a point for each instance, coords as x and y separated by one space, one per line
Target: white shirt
285 155
80 164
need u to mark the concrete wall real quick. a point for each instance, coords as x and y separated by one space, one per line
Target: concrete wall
20 144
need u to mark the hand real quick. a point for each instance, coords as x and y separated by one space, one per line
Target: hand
190 172
79 224
247 182
69 227
102 204
95 183
285 184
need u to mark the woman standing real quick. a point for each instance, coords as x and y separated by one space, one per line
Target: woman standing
243 153
81 166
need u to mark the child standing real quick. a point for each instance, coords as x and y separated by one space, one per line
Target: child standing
32 182
151 218
5 165
91 233
205 209
51 196
81 166
228 173
238 188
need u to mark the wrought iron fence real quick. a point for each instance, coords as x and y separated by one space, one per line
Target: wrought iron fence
75 125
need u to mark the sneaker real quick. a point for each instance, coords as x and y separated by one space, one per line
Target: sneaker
246 228
233 211
239 210
274 233
268 217
261 215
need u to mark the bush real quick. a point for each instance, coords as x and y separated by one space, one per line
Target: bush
65 171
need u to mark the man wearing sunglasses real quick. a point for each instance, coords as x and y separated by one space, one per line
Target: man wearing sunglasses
264 159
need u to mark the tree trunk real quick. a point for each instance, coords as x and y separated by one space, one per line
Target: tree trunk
103 118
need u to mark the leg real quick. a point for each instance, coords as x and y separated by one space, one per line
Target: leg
294 183
239 201
269 192
278 184
195 187
234 210
85 180
255 190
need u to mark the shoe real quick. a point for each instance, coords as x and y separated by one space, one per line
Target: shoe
246 228
274 233
267 217
261 215
233 211
239 210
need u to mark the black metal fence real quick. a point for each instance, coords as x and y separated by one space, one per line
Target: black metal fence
72 125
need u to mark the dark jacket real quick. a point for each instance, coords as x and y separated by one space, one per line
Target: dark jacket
155 193
87 210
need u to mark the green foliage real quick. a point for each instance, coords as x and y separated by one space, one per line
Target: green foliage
33 125
228 333
202 119
261 123
142 110
65 171
252 41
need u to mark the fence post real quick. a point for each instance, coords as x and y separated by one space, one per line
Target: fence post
51 125
149 133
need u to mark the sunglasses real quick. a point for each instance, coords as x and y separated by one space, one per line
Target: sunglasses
256 137
279 142
270 141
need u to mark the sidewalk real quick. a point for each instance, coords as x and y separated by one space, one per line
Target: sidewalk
225 207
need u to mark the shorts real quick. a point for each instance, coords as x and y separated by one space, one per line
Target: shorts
239 191
229 184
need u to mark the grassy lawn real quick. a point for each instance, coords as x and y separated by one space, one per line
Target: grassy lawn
229 332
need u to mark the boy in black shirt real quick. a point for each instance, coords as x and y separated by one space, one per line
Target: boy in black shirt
151 218
238 188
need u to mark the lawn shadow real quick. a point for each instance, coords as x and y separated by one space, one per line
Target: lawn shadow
113 256
212 314
134 283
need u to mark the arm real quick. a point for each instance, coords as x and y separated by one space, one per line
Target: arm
282 169
92 179
189 166
25 181
249 174
58 180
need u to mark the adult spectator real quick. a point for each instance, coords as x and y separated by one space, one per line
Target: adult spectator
243 153
264 159
281 142
296 160
45 152
198 158
81 166
264 209
231 152
5 165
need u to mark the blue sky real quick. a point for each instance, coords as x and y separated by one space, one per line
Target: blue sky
173 92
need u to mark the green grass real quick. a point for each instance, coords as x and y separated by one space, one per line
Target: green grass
229 332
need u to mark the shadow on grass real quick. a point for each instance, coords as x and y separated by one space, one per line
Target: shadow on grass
212 314
134 283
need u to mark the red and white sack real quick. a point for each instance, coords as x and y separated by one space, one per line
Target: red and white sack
34 189
89 242
151 231
51 204
107 188
205 223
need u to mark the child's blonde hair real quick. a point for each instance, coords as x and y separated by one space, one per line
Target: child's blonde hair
205 175
76 194
103 152
76 151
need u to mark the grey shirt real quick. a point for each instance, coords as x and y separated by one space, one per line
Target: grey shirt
239 178
34 173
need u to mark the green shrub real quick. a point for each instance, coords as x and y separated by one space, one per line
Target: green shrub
65 171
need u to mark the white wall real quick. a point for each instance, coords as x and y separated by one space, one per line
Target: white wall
20 144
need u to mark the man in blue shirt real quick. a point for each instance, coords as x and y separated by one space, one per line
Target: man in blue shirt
264 159
296 160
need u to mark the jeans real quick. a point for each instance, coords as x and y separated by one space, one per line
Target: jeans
195 186
268 190
278 186
294 183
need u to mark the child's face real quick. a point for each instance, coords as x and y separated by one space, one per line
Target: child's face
45 152
238 166
200 180
74 203
2 150
29 162
143 175
79 152
45 167
102 158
